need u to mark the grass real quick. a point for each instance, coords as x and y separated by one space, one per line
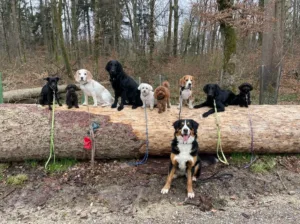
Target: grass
60 165
289 97
265 164
32 163
240 159
3 166
18 179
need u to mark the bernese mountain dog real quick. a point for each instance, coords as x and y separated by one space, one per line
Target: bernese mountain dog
184 155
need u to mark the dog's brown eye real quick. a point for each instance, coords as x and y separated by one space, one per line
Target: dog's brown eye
84 73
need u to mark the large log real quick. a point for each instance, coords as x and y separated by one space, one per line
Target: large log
25 131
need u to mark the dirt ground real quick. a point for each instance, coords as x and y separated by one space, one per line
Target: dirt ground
114 192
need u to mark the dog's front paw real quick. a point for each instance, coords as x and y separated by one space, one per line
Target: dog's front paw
60 104
69 107
164 191
205 114
191 195
95 105
76 106
191 107
134 106
114 105
84 104
120 108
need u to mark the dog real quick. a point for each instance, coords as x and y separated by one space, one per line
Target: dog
186 94
243 98
147 95
162 95
90 87
48 91
184 158
215 93
124 86
71 96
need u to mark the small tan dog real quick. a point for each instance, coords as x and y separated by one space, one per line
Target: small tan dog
162 95
186 93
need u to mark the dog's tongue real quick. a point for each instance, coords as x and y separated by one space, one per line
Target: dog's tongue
185 138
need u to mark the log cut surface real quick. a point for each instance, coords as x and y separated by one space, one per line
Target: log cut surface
25 130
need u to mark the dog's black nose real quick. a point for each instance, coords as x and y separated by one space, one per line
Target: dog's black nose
190 84
82 78
185 131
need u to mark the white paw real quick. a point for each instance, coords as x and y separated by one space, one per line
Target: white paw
194 179
191 107
191 195
95 105
84 104
164 191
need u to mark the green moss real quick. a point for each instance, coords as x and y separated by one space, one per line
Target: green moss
291 97
32 163
240 159
18 179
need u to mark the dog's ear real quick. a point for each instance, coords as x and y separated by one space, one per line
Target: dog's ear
57 79
217 89
181 82
140 86
195 125
205 88
89 75
108 65
176 124
76 76
151 88
119 67
47 79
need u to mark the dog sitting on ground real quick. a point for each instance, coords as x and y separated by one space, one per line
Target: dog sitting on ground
215 93
162 95
48 91
71 96
147 95
124 86
186 94
184 156
243 98
90 87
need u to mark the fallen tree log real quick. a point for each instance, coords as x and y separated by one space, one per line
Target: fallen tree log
25 131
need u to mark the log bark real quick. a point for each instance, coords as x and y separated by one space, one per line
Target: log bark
25 131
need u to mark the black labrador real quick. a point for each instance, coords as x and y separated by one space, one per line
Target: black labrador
243 98
48 91
71 96
124 86
215 93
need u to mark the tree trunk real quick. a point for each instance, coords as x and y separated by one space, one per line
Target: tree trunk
152 31
176 22
97 35
122 133
168 47
272 47
16 30
229 37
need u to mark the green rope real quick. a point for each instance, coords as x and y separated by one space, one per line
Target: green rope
52 151
219 143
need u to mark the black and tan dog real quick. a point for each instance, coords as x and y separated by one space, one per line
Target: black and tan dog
185 159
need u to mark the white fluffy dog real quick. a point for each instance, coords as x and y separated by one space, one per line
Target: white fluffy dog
147 95
90 87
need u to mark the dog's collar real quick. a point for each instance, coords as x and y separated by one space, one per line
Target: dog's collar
83 83
184 88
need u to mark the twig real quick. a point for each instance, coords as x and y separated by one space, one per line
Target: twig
281 181
8 193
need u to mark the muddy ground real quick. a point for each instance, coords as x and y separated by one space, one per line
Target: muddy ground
114 192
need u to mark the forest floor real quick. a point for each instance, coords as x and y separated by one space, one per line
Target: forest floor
114 192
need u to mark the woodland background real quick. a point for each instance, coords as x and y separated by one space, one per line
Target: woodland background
221 41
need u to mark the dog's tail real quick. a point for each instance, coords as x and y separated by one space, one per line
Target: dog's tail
166 84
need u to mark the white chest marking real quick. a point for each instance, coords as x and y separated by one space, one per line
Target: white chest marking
185 94
184 155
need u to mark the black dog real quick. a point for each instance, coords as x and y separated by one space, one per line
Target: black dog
243 98
222 98
48 90
71 96
124 86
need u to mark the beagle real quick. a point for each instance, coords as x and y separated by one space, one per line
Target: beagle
186 94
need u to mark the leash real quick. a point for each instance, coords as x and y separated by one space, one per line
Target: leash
221 177
219 143
52 151
144 160
253 156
